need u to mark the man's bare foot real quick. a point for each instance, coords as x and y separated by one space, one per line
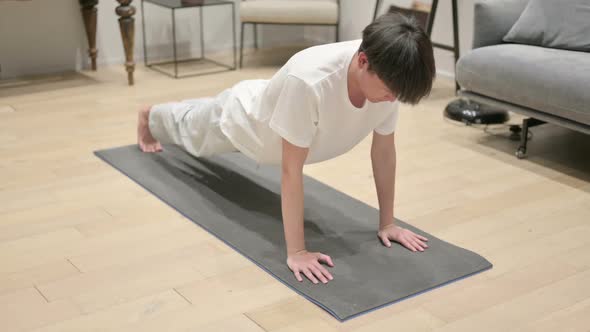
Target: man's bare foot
145 140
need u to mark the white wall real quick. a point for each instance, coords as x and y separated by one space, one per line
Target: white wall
32 41
45 36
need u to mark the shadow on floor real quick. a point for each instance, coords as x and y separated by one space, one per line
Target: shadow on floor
553 147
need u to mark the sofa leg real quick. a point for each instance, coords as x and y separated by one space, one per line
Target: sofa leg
524 137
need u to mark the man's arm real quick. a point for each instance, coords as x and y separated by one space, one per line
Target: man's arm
383 160
293 159
299 259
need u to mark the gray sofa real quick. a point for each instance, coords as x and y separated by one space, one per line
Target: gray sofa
544 84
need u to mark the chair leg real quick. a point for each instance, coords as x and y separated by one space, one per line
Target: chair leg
255 36
242 44
337 32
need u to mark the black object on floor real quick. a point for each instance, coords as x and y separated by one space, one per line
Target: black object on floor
239 203
470 112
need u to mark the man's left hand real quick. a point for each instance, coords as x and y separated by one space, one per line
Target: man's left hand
403 236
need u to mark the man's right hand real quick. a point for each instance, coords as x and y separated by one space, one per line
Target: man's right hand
308 263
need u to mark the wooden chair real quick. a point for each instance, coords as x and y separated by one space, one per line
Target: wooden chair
291 12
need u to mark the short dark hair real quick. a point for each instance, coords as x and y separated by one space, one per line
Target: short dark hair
400 53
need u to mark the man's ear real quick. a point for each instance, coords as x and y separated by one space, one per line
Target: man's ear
363 60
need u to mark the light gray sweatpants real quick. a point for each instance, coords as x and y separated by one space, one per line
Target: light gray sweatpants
192 124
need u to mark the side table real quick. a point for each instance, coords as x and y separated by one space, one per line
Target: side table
173 6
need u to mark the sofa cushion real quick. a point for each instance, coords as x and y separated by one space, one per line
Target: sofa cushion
303 12
545 79
551 23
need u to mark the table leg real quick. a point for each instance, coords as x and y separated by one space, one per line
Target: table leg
88 8
127 27
456 48
377 7
431 16
201 29
174 43
233 19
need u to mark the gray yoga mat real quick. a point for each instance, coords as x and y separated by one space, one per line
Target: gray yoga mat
239 202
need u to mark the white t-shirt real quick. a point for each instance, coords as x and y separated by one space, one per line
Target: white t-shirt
306 102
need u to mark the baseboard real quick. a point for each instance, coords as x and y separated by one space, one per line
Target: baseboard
445 74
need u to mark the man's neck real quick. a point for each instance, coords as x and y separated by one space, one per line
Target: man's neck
355 94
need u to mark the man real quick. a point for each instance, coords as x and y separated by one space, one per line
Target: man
320 104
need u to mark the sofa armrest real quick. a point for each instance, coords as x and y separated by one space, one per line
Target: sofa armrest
493 19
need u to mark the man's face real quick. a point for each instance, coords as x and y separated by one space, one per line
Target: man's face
371 85
375 90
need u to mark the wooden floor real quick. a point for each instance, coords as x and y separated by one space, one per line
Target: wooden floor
84 248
